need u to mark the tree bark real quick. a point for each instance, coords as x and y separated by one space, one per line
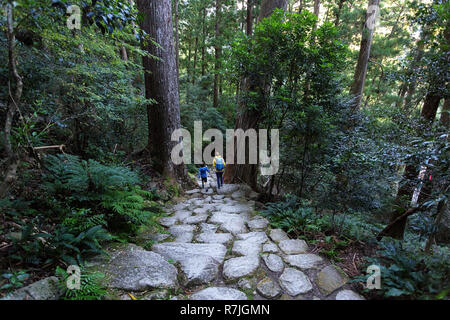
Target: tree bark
338 12
177 37
249 29
13 105
430 106
217 51
357 88
445 114
161 84
249 118
204 42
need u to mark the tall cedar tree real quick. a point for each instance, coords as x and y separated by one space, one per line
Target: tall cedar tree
161 84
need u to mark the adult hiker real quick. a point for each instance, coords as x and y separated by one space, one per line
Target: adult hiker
202 174
219 167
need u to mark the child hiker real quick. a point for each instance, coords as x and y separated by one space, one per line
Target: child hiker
202 174
219 167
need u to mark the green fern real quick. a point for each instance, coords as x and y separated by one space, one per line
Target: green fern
90 285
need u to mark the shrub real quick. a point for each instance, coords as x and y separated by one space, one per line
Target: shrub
90 285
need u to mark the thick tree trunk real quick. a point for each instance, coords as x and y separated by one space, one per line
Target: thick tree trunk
217 50
177 36
430 106
249 118
161 84
357 88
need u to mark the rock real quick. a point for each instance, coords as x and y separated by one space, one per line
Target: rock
235 268
210 237
193 191
273 262
228 188
244 284
229 222
182 214
196 219
257 237
208 199
331 278
237 194
218 197
185 237
295 282
206 227
208 191
258 224
181 229
168 221
45 289
268 288
270 247
179 206
218 293
293 246
348 295
253 195
199 270
182 251
278 235
246 247
182 232
132 268
201 210
158 237
304 261
156 295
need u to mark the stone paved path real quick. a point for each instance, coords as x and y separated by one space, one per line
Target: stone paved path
218 248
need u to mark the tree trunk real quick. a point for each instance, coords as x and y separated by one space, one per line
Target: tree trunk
217 56
338 12
177 37
204 42
195 60
249 118
249 29
13 105
161 84
430 106
357 88
445 114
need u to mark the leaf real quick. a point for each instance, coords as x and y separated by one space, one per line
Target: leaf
394 292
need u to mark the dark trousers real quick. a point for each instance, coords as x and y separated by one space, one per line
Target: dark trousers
219 176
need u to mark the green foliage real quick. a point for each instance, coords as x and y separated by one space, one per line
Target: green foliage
90 285
14 280
406 272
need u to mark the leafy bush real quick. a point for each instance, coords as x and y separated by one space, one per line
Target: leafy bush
90 285
409 273
14 280
61 245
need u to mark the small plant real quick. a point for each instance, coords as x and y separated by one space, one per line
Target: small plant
409 273
14 280
90 285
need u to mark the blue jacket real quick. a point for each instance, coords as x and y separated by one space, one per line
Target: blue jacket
202 172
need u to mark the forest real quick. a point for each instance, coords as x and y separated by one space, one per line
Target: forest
92 91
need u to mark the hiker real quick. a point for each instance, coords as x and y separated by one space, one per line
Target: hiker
219 167
202 174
